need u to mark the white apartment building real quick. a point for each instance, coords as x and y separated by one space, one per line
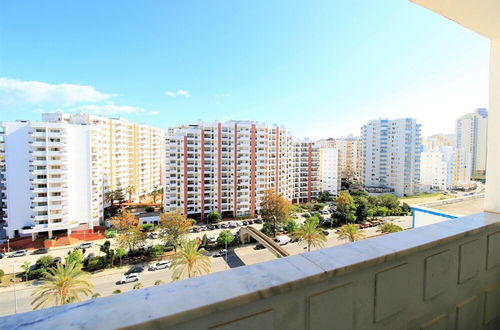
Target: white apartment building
438 140
306 171
349 149
56 172
329 170
391 155
471 130
226 167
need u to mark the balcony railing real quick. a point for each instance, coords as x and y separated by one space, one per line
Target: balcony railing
445 275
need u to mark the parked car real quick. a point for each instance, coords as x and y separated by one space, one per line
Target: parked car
160 265
233 224
326 232
364 225
211 226
212 239
90 255
135 269
203 228
2 255
282 239
153 236
134 277
224 225
258 221
18 253
196 229
40 251
220 253
85 245
259 246
57 260
250 222
245 223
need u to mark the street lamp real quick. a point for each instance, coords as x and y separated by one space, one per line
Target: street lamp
226 253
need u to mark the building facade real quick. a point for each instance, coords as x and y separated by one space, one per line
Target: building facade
227 167
471 130
329 170
56 172
391 155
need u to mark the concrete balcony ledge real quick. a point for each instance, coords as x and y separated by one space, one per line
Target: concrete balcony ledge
442 276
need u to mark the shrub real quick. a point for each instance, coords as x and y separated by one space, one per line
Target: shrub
109 233
147 227
149 209
291 226
2 273
319 206
95 263
75 256
117 291
156 251
214 217
268 229
45 262
37 273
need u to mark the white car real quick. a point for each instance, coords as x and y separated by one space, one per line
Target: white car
160 265
134 277
85 245
212 239
18 253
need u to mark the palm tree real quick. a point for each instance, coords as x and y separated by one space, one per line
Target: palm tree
62 285
155 193
109 196
350 232
27 269
189 261
388 227
311 235
130 191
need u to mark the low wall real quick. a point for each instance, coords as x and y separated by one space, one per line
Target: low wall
442 276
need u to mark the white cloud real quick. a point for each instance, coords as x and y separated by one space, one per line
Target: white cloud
14 92
179 92
153 113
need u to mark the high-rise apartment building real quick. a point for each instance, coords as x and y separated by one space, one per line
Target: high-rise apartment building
56 172
329 170
391 155
227 167
349 149
438 140
471 130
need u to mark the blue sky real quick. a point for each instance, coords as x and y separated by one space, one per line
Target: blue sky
320 68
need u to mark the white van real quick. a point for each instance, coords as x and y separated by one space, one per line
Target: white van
282 239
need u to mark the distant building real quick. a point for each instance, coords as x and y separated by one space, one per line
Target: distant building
56 172
471 131
227 167
329 170
391 155
445 167
438 140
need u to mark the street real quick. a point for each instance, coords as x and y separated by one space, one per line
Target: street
105 281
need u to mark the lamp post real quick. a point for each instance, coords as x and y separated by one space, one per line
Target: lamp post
15 293
226 253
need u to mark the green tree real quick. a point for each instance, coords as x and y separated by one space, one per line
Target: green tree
156 193
62 285
350 232
291 226
310 234
224 237
45 262
390 201
324 196
120 253
362 207
388 227
381 211
2 273
130 191
96 263
108 251
109 197
204 241
119 194
268 229
26 266
189 261
75 256
346 207
214 217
